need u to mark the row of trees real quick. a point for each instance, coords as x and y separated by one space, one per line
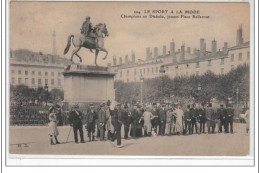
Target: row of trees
228 87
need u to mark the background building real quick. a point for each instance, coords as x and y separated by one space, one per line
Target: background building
184 62
36 69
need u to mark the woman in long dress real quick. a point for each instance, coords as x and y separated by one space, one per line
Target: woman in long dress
179 120
147 117
53 130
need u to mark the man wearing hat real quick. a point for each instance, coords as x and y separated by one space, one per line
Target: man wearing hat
230 118
126 120
90 122
162 117
187 119
211 118
75 119
101 121
155 120
134 123
222 114
116 120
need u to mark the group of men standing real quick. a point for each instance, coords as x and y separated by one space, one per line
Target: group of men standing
140 120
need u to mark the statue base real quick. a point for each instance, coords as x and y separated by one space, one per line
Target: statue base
85 84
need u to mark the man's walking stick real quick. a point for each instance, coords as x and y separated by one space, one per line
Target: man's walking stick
68 134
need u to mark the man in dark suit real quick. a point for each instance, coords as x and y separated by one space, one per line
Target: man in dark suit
135 119
162 117
101 121
187 120
194 117
75 119
230 118
90 122
201 112
116 120
126 120
211 118
222 114
155 120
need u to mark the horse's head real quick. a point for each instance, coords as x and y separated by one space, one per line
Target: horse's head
102 27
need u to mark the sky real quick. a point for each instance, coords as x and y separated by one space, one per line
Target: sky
32 25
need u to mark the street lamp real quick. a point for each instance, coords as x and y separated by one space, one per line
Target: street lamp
199 86
46 91
237 92
141 80
162 71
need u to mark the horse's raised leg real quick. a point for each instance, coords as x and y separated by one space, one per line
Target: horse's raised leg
104 50
75 52
96 55
80 59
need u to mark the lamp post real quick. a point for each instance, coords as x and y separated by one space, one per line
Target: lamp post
237 92
141 80
199 89
46 91
162 71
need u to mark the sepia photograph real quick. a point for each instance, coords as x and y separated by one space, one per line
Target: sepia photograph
129 79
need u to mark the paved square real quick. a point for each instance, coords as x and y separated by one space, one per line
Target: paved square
37 137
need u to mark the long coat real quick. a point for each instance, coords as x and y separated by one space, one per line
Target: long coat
109 121
147 116
211 118
247 119
179 120
53 130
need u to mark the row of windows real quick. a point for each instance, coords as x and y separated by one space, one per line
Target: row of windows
240 56
33 81
39 73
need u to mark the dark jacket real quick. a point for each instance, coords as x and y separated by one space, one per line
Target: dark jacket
101 116
162 115
116 119
222 114
75 118
135 115
126 117
155 120
230 113
187 115
91 117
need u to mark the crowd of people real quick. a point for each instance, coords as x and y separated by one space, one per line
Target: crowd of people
144 121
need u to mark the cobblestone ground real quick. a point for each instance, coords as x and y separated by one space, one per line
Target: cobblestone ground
37 139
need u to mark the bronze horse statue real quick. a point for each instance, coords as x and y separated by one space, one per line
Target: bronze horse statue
80 41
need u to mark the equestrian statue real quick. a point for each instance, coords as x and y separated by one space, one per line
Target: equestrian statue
90 38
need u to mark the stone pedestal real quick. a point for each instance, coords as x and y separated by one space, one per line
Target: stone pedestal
88 84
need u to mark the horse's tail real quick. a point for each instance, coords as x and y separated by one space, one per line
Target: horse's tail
68 44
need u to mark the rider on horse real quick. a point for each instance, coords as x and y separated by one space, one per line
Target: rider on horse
87 30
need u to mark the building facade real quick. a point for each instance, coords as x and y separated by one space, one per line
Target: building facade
36 69
184 62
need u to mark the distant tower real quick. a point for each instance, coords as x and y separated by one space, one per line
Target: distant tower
240 35
54 43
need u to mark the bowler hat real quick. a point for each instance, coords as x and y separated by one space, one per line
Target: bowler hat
126 106
91 105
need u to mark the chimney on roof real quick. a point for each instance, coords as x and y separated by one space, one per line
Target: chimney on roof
164 50
126 59
114 60
148 53
182 55
120 61
155 52
202 47
225 48
240 39
214 46
188 50
133 57
172 48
